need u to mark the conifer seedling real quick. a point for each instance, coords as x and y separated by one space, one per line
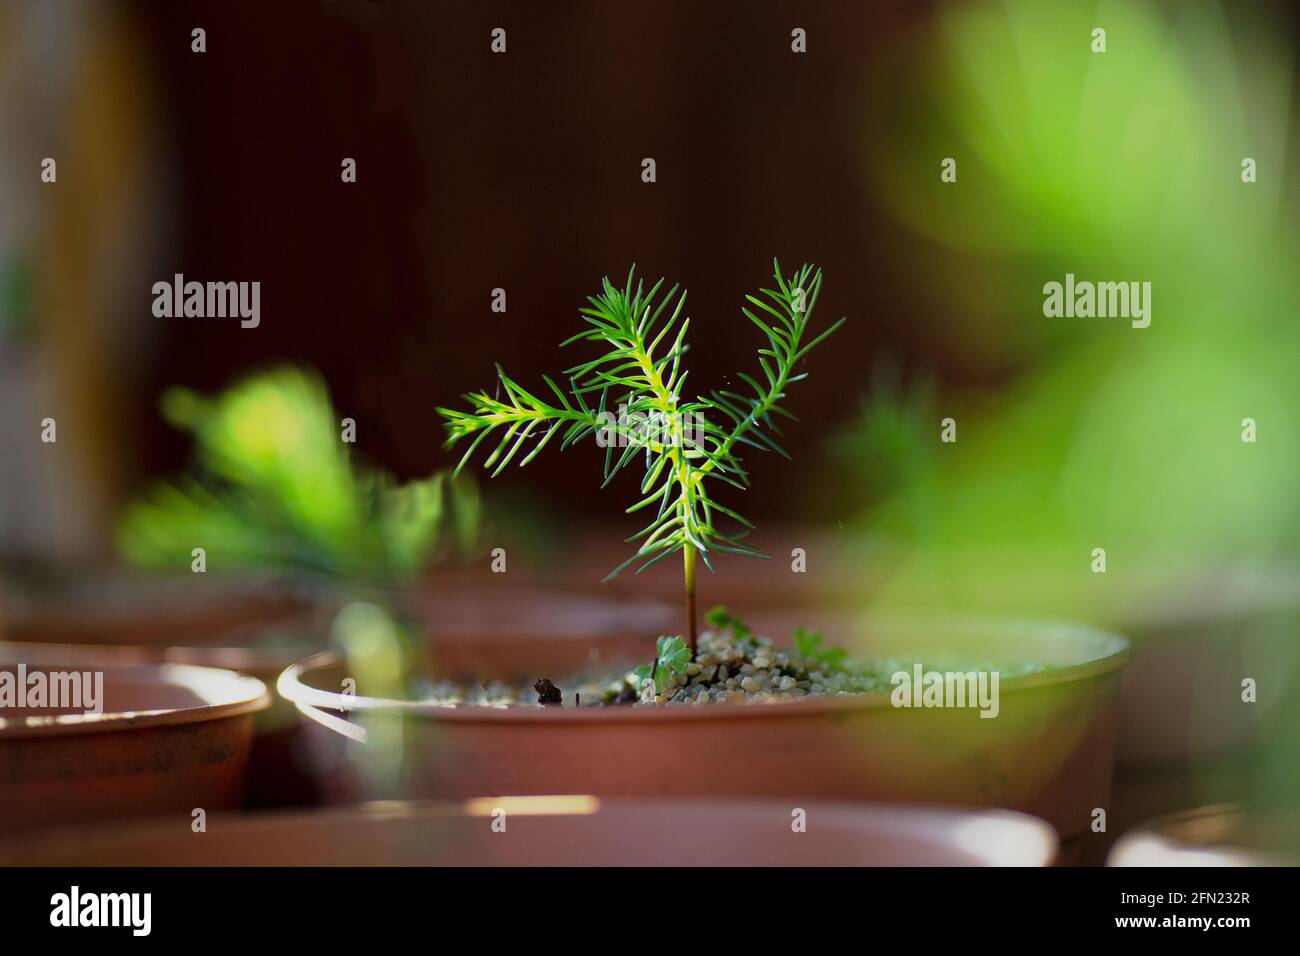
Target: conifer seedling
689 444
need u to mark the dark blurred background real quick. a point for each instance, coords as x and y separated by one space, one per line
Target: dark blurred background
519 171
475 171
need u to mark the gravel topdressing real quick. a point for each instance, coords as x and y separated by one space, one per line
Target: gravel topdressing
748 670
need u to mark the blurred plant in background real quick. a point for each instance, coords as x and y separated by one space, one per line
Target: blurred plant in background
1123 165
890 448
15 299
274 488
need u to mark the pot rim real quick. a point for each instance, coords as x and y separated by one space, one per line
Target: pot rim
1196 836
228 694
996 836
313 702
231 657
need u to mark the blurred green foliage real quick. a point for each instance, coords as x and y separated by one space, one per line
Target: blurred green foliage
890 449
274 487
1124 166
16 294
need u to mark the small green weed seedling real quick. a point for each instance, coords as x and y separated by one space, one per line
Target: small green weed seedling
689 444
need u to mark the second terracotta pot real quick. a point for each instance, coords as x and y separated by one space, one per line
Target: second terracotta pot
168 738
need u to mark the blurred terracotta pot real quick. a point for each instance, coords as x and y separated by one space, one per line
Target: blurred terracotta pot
244 625
1048 751
1220 835
1180 701
128 608
1195 635
486 632
479 632
251 624
170 738
566 831
839 569
258 628
1186 737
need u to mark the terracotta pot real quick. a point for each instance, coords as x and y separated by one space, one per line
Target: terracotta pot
1195 635
254 627
170 738
248 644
1180 701
1219 835
839 569
128 608
1048 752
566 831
1186 738
500 630
259 626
